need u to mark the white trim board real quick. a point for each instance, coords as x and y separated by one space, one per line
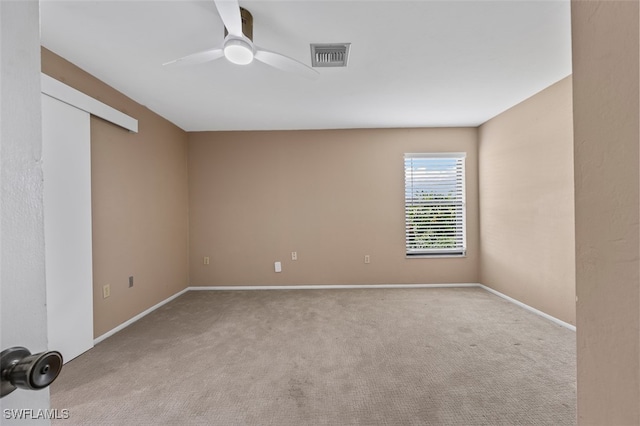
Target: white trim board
60 91
529 308
137 317
330 287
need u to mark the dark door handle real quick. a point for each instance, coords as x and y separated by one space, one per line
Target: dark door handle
20 369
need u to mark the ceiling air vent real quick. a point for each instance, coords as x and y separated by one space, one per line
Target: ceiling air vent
330 55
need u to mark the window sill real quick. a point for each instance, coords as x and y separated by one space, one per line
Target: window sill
432 256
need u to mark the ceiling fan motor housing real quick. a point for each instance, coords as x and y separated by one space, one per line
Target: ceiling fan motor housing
247 24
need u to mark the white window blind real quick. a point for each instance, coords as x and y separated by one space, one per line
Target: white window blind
434 198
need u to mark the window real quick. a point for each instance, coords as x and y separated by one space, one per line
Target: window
434 200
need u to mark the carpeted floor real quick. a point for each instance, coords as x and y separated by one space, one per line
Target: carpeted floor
327 357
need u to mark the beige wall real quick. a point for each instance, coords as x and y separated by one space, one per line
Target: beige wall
332 196
607 134
139 202
526 202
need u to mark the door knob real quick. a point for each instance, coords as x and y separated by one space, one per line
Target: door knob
20 369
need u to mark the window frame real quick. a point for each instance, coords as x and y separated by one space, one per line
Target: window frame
460 249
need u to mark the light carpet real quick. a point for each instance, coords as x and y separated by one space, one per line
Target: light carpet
456 356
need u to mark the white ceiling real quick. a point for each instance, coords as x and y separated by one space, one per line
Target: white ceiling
412 63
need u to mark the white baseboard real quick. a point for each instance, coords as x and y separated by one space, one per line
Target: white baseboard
330 287
529 308
137 317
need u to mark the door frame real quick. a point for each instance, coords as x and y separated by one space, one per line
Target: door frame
61 269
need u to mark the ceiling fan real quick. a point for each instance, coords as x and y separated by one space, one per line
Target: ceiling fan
238 47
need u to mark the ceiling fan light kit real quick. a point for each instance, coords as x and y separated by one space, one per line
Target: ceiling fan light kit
238 51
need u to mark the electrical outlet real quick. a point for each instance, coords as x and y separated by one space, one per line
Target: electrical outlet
206 260
367 258
131 281
277 266
294 255
106 291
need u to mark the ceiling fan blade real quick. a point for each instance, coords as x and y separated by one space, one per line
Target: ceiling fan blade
284 63
229 11
198 58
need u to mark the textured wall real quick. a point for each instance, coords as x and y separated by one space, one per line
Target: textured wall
526 202
139 203
22 273
607 133
331 196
